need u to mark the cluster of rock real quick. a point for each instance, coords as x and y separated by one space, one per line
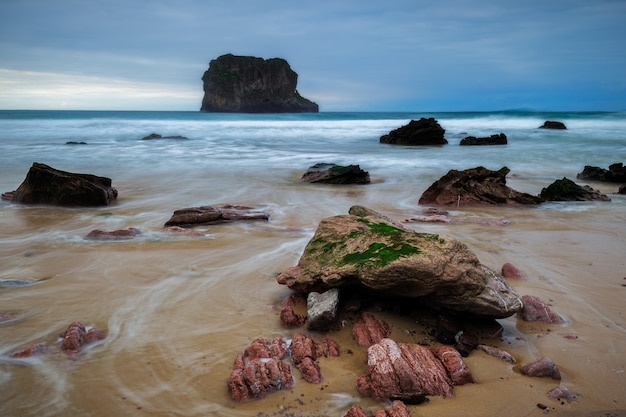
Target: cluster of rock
71 341
616 173
248 84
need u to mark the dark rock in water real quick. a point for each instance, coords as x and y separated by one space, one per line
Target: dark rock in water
417 132
122 234
71 142
615 173
16 283
550 124
536 310
475 187
568 190
194 216
366 249
489 140
153 136
368 330
336 174
247 84
622 189
398 370
46 185
542 368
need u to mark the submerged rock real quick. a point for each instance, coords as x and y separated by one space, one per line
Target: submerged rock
121 234
194 216
153 136
568 190
551 124
417 132
475 187
366 249
336 174
488 140
47 185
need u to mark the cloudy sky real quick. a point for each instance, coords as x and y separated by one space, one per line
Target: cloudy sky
413 55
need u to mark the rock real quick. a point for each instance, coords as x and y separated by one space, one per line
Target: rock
369 251
396 370
249 84
16 283
322 309
562 393
71 341
122 234
288 315
336 174
356 411
72 142
475 187
4 317
543 368
622 189
183 231
194 216
510 271
489 140
536 310
568 190
46 185
417 132
73 337
368 330
31 350
396 409
457 370
497 353
615 173
153 136
549 124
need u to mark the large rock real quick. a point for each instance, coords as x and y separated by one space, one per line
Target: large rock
417 132
336 174
568 190
615 173
552 124
47 185
366 249
475 187
194 216
247 84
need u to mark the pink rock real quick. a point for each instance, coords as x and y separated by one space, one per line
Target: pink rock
452 360
266 348
356 411
397 409
536 310
73 337
510 271
544 367
368 330
31 350
122 234
290 318
562 392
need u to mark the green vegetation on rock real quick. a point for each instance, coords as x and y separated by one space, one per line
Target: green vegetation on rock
380 254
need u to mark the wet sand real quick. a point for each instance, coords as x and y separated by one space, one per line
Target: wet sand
178 309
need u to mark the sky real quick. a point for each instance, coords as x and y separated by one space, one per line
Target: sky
390 55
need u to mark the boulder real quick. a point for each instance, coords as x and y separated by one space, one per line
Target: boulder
551 124
247 84
47 185
194 216
536 310
615 173
399 370
417 132
336 174
365 249
542 368
568 190
475 187
489 140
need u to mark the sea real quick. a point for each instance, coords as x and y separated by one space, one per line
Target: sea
178 308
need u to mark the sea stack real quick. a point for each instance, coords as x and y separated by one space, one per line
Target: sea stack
247 84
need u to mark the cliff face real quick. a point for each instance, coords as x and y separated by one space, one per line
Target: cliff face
248 84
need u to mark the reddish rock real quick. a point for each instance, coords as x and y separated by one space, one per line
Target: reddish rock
562 393
451 359
403 370
304 353
544 368
7 317
122 234
329 347
310 370
266 348
536 310
94 335
497 353
368 330
290 318
182 230
194 216
397 409
510 271
258 377
31 350
73 337
356 411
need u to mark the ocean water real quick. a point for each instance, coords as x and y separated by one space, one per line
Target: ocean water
178 309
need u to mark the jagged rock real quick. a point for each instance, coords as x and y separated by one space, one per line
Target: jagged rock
288 315
615 173
194 216
568 190
122 234
457 370
536 310
397 370
47 185
396 409
322 309
550 124
475 187
153 136
363 248
542 368
368 330
336 174
417 132
247 84
489 140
